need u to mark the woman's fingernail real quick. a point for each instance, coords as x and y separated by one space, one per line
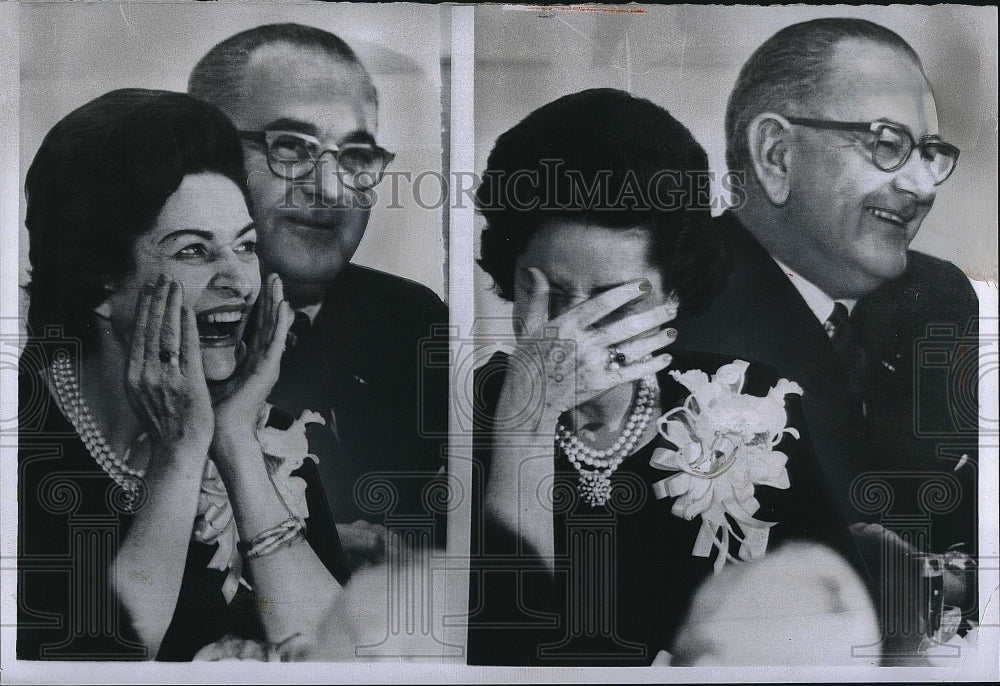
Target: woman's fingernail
668 359
645 286
672 332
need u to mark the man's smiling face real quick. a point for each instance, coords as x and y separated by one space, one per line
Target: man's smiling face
308 230
848 222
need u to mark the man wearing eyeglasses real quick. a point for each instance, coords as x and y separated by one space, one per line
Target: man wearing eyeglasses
306 109
834 126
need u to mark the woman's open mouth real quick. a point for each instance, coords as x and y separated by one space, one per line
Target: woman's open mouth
220 327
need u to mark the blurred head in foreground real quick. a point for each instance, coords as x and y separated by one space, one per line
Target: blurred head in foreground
385 614
800 605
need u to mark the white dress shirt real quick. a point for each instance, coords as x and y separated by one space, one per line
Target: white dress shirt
818 301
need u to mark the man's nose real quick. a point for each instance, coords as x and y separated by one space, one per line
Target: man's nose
916 177
326 179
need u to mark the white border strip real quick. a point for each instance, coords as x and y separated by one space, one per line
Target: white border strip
460 302
10 60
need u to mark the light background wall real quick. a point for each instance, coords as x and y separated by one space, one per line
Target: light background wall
73 52
686 59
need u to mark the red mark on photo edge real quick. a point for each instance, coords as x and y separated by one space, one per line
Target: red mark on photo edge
578 8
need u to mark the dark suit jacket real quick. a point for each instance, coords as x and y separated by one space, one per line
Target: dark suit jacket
919 332
372 365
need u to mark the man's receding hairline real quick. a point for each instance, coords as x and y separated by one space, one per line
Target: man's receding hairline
292 47
838 49
837 52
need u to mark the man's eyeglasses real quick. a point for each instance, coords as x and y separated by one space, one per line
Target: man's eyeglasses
292 156
892 144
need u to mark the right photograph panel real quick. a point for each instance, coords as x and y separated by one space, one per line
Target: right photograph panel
731 263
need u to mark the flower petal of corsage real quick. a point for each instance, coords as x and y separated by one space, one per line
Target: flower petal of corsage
285 451
698 499
697 382
731 376
722 444
772 470
754 543
665 458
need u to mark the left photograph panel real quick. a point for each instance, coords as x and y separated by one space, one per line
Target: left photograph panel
231 429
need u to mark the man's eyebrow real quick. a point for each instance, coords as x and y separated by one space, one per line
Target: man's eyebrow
304 127
363 137
289 124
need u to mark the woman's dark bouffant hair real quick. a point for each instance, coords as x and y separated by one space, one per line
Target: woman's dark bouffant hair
99 181
610 159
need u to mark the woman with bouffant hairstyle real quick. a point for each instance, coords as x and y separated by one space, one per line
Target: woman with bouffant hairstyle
157 513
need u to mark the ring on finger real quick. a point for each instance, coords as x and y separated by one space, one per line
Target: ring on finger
169 356
616 358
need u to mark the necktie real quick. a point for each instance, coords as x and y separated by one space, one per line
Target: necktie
838 328
298 332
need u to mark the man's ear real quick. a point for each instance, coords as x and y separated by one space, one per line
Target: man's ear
770 152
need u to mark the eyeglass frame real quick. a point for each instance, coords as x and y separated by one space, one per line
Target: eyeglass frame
260 137
873 128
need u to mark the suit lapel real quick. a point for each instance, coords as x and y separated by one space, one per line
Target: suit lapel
762 317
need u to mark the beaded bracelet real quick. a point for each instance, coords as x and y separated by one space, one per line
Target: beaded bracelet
269 541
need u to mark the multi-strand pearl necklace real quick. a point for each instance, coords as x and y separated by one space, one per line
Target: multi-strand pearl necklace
597 466
74 407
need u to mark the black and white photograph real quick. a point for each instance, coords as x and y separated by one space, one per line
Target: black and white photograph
728 371
230 180
426 343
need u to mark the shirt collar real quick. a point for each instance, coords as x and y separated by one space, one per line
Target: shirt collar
311 311
818 301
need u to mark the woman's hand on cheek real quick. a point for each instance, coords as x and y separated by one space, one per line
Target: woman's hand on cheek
563 362
165 380
238 407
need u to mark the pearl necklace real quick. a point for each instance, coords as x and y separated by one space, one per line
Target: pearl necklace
597 466
75 409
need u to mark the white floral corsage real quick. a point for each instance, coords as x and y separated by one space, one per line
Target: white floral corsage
724 445
284 451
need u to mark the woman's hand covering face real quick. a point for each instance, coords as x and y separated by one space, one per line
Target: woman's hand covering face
239 399
572 352
165 380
